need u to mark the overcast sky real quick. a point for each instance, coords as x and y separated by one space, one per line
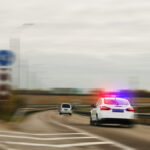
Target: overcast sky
80 43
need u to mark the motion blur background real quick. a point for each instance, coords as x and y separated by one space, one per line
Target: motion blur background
70 50
73 51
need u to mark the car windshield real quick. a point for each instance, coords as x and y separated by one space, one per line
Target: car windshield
116 102
65 105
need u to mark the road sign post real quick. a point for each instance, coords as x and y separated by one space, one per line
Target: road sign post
7 58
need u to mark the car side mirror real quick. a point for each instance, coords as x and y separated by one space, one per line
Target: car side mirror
93 105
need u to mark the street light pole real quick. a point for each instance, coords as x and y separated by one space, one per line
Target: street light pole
15 45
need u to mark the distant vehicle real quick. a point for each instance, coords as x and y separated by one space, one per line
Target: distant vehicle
65 108
112 110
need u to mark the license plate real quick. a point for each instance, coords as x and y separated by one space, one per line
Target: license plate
117 110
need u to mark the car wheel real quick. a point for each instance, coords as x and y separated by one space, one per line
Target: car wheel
70 114
60 113
91 122
130 125
97 121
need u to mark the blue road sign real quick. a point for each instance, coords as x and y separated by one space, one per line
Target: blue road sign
7 57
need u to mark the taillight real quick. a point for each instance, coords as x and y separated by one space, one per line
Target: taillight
105 108
130 109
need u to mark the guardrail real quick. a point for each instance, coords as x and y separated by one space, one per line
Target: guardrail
27 111
138 115
142 118
78 109
43 107
143 115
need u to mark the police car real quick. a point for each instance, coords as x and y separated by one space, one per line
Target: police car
112 110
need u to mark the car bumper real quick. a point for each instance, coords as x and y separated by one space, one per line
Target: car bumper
65 112
112 115
117 121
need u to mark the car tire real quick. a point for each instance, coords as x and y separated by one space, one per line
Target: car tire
70 114
130 125
91 122
60 113
97 121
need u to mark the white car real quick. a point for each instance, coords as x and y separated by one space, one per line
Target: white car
65 108
112 110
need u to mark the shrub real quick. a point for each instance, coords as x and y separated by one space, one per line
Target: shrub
9 107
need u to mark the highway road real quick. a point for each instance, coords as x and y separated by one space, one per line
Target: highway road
50 131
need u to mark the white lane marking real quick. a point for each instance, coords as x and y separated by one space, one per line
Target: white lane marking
117 144
36 134
57 146
44 139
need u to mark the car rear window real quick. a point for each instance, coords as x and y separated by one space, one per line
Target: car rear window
65 105
116 102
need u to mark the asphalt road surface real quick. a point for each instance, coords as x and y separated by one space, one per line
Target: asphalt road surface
51 131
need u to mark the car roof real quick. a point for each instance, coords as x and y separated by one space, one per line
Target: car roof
65 103
113 98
